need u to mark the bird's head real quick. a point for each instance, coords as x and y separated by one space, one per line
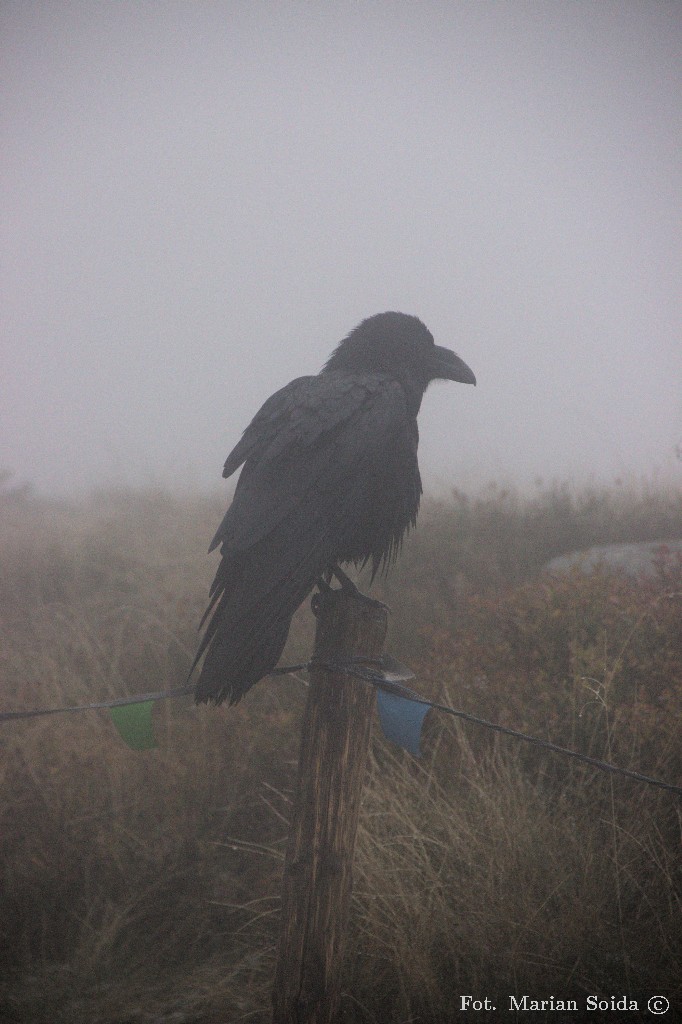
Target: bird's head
400 345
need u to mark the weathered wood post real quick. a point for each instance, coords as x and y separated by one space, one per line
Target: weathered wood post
317 879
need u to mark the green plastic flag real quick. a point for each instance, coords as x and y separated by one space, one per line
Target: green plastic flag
134 724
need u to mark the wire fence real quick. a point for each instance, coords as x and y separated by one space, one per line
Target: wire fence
387 676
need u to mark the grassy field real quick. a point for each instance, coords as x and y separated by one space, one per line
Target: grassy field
143 887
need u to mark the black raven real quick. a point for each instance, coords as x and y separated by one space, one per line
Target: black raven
330 475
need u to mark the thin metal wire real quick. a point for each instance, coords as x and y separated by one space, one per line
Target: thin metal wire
118 702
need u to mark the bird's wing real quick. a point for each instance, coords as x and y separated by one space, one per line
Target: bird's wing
261 433
309 440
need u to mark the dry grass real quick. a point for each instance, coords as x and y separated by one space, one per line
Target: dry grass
485 867
486 880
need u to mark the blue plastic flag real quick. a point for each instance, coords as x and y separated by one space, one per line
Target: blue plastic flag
402 719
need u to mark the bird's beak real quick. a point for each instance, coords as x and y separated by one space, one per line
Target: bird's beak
445 365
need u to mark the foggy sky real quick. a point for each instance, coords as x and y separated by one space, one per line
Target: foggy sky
201 199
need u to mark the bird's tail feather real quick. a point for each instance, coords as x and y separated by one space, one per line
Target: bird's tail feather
245 635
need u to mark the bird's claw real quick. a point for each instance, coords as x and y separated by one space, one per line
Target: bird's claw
350 587
373 602
325 590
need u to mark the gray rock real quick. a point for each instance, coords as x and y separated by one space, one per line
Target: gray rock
630 558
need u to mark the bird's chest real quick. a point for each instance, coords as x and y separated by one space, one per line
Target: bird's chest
393 489
386 502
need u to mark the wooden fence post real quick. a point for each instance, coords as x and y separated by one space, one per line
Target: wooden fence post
317 880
